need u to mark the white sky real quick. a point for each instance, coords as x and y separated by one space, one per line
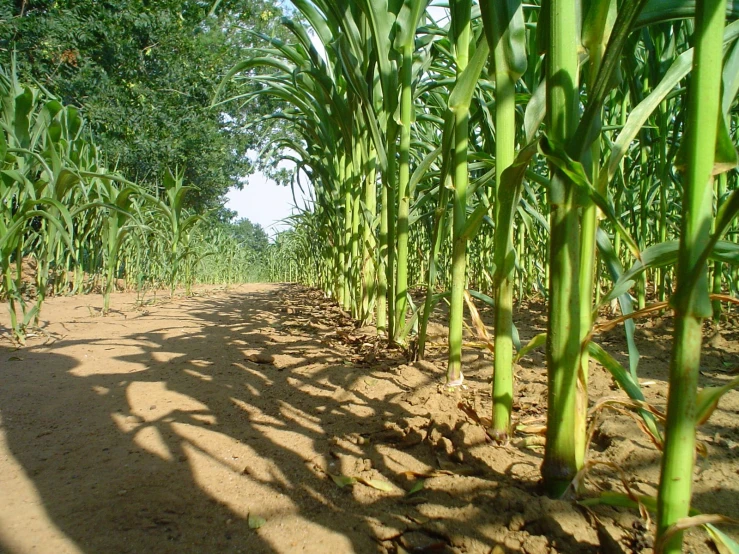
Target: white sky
262 201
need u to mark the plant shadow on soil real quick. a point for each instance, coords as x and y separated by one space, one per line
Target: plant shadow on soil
186 427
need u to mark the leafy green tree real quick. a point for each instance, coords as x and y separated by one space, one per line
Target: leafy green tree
144 73
251 236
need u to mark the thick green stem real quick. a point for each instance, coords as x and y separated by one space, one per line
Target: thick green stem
356 281
716 285
505 145
461 23
662 281
588 263
436 240
406 113
356 266
381 322
347 269
641 288
563 338
691 304
11 291
392 222
368 238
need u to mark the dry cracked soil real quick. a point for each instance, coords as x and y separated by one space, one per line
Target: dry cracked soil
261 419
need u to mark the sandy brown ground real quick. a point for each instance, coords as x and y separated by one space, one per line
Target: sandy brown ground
216 423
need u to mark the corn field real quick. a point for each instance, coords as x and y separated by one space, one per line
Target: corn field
467 153
83 227
492 151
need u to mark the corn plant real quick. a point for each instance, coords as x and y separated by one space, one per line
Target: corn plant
690 301
31 193
174 226
537 176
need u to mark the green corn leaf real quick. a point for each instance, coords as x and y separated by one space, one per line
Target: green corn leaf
21 122
254 521
461 97
30 314
74 121
731 80
3 147
598 24
665 254
615 270
482 297
504 21
627 382
659 11
16 176
589 126
382 19
14 232
509 196
708 398
422 169
634 502
417 487
342 480
356 79
407 22
657 255
537 342
621 500
639 115
536 111
317 21
724 543
726 158
726 214
725 251
377 484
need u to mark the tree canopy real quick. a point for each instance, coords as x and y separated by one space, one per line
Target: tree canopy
144 74
251 236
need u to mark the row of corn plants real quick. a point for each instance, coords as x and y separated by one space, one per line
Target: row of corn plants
80 226
584 152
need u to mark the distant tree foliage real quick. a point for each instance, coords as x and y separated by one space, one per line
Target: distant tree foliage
145 73
251 236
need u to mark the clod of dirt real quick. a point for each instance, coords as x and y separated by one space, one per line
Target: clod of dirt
641 539
405 434
351 465
261 358
445 445
421 543
610 537
468 434
384 530
427 366
390 433
536 544
517 522
601 440
562 521
421 396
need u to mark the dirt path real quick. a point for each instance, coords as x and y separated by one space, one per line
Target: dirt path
215 424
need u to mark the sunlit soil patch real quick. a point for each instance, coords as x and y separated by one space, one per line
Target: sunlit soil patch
267 421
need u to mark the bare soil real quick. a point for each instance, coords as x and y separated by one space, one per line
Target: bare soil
263 419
